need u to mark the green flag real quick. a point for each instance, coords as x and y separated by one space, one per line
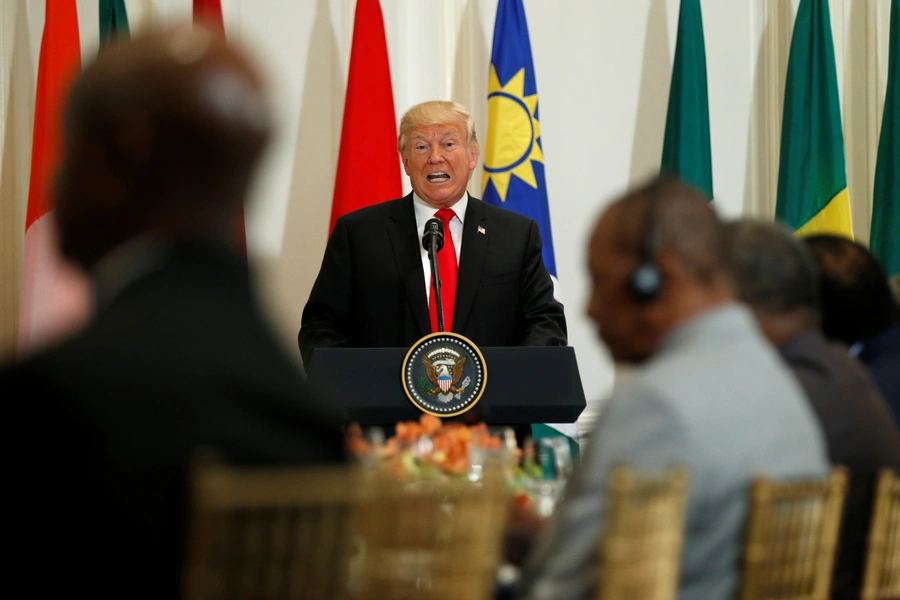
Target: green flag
113 21
885 233
686 148
812 178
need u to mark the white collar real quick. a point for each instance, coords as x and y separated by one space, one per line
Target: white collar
425 211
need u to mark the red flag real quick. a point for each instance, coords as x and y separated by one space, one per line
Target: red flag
368 170
209 14
55 295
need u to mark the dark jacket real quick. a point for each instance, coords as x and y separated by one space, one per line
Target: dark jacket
370 291
860 434
180 360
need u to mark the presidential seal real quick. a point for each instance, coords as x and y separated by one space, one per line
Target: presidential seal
444 374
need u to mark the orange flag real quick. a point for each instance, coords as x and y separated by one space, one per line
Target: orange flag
368 170
56 296
209 14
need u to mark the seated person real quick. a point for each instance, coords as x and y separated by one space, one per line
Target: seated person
776 276
858 309
179 357
710 394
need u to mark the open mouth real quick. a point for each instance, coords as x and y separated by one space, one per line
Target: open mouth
438 177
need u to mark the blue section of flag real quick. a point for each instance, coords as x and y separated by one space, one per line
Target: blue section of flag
512 53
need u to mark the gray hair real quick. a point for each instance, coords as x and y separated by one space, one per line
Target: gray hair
773 271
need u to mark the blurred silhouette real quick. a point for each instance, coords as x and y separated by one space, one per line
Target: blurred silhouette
775 275
710 395
859 310
163 134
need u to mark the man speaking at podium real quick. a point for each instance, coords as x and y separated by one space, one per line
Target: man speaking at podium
374 287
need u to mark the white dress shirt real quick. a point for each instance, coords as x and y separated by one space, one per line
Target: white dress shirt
424 212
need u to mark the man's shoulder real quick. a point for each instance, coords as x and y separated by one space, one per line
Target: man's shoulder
723 366
845 397
47 370
376 211
826 366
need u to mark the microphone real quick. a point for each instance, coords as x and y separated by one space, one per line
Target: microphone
433 237
433 241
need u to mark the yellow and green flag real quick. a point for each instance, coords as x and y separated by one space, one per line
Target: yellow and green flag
812 177
885 233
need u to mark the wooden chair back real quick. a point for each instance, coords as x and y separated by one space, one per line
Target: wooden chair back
881 578
641 551
270 533
432 539
792 538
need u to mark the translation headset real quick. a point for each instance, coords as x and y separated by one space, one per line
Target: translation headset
646 279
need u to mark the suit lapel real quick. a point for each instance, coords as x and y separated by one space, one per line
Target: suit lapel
405 245
471 261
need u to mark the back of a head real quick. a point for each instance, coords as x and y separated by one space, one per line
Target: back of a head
855 297
670 215
163 133
656 260
772 270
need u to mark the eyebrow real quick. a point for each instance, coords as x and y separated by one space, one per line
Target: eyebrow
444 135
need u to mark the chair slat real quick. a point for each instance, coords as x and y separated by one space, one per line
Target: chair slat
881 578
640 554
792 538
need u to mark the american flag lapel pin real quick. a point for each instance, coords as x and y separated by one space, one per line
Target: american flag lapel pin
481 230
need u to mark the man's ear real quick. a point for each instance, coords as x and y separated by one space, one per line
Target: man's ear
473 157
405 162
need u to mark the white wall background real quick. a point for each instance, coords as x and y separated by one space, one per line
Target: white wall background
603 70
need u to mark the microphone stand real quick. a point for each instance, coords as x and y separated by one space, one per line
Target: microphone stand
436 283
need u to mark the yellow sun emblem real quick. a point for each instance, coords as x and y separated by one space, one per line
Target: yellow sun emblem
513 132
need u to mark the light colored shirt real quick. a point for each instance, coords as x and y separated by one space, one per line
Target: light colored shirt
424 212
717 399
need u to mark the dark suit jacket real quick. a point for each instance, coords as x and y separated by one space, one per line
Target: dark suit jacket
860 435
881 354
370 291
180 360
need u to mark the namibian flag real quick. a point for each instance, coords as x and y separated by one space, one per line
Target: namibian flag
513 152
812 178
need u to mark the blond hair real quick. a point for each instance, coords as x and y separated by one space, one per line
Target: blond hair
436 112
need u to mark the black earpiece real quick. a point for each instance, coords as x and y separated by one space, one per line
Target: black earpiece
646 279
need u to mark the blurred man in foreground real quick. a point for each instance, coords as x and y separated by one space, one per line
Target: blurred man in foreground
859 310
711 395
776 276
162 137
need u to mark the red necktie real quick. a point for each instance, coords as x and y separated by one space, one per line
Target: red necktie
448 271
